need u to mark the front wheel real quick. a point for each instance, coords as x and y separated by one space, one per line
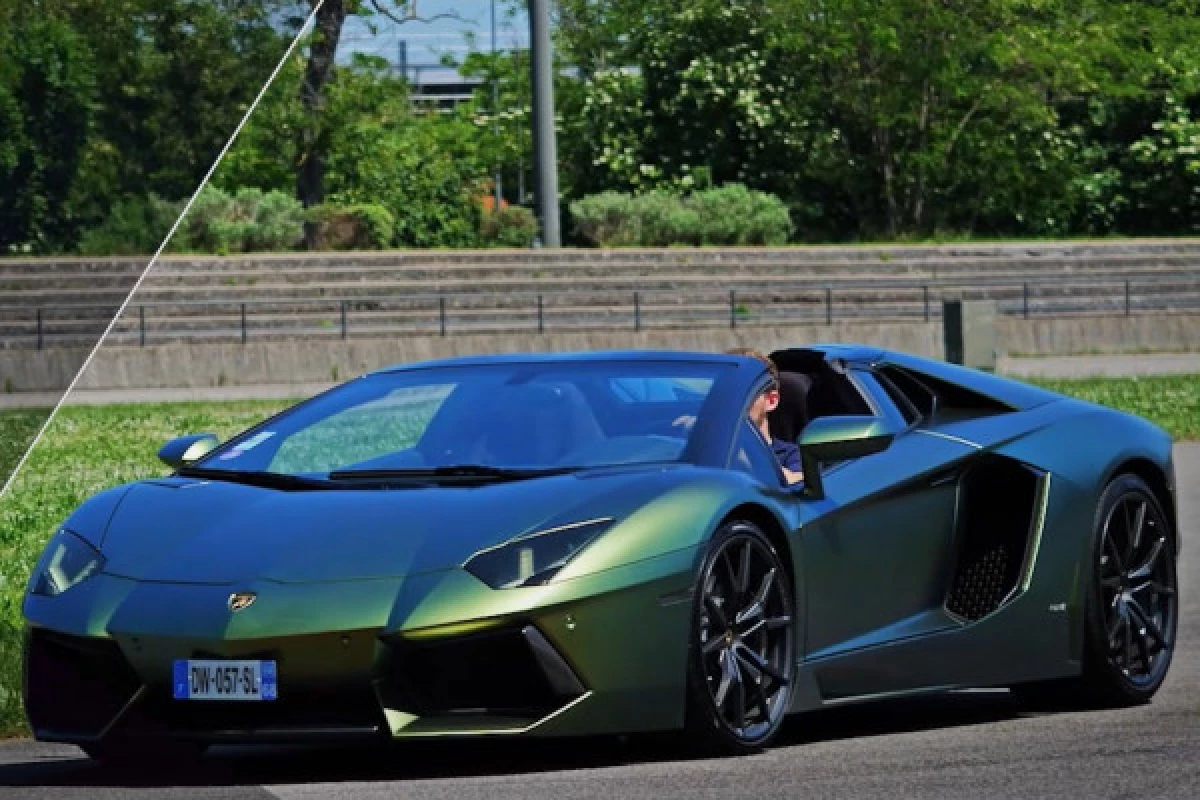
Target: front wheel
742 647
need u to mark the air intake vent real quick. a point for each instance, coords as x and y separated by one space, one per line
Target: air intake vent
512 672
995 525
980 586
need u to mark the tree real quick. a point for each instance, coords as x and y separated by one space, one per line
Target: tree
118 100
47 86
322 50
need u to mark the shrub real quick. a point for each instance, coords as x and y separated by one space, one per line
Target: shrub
361 226
511 226
278 220
667 219
727 215
248 221
607 219
134 226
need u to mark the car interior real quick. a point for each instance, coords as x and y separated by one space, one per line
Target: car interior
810 387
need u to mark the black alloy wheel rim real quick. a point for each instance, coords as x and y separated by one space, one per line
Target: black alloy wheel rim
1137 590
745 638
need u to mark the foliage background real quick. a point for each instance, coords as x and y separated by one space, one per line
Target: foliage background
869 119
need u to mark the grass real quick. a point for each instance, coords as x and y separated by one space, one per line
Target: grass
90 448
86 449
1169 401
17 429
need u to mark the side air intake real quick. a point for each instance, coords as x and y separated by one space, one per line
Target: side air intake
997 528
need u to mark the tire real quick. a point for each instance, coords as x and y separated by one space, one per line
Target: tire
741 667
1132 608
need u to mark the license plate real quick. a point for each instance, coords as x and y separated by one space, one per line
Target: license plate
225 680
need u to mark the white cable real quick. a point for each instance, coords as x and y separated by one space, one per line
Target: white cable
262 92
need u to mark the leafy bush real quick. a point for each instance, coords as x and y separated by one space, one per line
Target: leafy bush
733 214
278 220
608 219
667 218
249 221
511 226
134 226
727 215
361 226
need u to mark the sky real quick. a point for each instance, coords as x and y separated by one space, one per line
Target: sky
428 42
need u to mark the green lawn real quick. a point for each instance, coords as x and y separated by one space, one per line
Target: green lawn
85 449
17 429
89 448
1171 401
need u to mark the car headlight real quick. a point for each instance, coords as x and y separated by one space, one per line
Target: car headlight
67 562
534 559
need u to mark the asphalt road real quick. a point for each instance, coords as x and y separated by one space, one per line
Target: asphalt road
974 744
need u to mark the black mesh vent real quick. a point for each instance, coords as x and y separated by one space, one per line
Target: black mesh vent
491 673
994 526
981 585
75 685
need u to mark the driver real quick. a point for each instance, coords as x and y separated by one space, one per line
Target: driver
767 401
786 453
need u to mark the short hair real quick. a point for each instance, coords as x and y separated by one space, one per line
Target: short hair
752 353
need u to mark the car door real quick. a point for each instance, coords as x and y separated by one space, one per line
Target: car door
877 547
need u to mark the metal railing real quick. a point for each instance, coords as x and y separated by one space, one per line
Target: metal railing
448 314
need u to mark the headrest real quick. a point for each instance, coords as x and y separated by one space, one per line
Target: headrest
791 415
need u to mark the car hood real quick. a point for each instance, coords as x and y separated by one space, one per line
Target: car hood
194 531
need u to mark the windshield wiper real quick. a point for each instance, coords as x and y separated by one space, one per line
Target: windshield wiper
453 471
268 480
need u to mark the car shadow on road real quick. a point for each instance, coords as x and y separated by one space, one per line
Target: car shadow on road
247 766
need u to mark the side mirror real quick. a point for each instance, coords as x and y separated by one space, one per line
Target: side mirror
185 449
838 438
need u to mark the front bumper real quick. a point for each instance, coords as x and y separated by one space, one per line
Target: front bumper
558 662
84 689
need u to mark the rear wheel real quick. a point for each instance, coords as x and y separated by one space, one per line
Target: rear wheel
1133 604
742 653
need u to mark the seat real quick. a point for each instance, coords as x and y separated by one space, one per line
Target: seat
791 415
534 425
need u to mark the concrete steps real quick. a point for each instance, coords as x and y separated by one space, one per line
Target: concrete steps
19 276
404 292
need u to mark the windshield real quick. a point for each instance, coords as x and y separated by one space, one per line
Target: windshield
551 416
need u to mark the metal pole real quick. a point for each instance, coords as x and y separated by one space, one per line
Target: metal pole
343 319
544 148
442 314
637 312
39 329
1025 300
732 309
828 305
496 179
1127 299
243 323
541 319
142 326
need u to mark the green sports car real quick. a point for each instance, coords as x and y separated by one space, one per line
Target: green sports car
549 545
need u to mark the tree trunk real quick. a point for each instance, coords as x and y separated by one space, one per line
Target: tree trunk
310 167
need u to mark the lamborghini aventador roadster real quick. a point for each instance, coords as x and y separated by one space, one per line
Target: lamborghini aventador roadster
535 546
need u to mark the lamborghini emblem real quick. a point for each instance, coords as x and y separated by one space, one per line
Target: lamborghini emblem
241 600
